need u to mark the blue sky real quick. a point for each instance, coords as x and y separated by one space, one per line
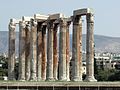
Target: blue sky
107 12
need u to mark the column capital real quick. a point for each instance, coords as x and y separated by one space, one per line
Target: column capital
56 26
50 24
44 29
28 26
68 24
12 24
90 18
33 22
63 22
22 24
76 20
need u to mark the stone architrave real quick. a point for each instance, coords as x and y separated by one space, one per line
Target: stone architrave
49 75
44 56
27 52
33 46
62 50
11 50
22 50
55 52
90 48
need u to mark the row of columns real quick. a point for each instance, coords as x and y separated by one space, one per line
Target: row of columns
39 55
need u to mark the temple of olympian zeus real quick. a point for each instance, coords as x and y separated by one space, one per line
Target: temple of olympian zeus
40 56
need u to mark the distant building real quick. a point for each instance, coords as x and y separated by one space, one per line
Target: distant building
107 60
84 67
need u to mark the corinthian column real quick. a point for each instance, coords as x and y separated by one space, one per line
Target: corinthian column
27 52
62 50
50 51
39 51
90 48
11 50
55 52
22 49
76 49
44 56
80 49
33 44
68 52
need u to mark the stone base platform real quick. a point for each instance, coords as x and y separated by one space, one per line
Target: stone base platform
15 85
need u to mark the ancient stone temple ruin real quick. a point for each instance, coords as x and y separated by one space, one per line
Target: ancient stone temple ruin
44 47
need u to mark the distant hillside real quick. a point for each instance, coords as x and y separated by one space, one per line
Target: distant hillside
4 41
107 44
102 43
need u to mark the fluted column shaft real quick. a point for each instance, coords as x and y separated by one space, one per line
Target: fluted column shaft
33 44
27 52
55 52
50 51
90 48
11 51
22 49
44 56
80 49
76 49
39 51
68 52
62 50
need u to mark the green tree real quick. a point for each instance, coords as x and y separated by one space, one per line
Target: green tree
3 66
95 68
104 75
115 76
